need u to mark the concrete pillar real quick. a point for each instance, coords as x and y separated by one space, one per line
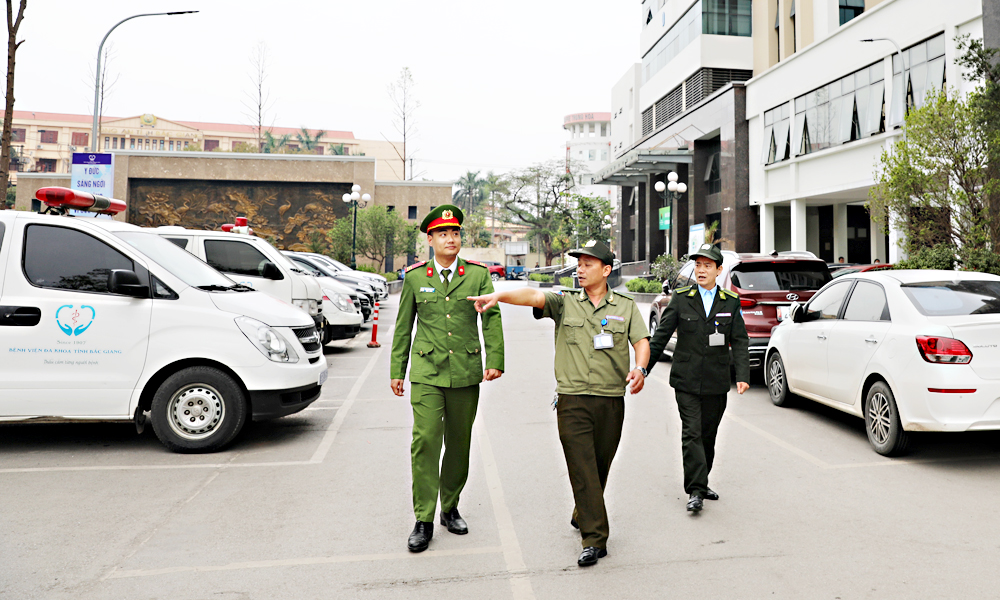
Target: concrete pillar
839 231
799 225
877 239
766 227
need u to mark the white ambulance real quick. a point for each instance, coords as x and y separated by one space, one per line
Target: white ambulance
101 320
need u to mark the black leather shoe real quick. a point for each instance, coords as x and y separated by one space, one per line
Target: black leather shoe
454 522
420 537
573 522
695 504
711 495
589 556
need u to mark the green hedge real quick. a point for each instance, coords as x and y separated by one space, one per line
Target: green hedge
542 277
644 286
566 282
390 276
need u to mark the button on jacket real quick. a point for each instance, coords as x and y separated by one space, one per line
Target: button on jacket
581 369
446 351
699 368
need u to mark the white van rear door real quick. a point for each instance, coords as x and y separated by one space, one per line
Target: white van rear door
86 353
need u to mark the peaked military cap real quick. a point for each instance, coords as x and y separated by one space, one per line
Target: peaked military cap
710 252
446 215
598 250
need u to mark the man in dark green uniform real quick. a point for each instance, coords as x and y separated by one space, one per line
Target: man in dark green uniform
594 329
446 371
708 322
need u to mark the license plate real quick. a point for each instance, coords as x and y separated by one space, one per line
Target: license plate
783 312
323 376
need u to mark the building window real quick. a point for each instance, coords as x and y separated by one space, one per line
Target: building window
318 150
795 44
726 17
107 142
848 109
17 135
79 138
114 143
850 9
47 165
683 32
390 209
604 155
48 137
211 145
925 74
592 155
171 145
776 134
411 212
131 143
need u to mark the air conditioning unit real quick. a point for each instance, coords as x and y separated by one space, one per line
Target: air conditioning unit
72 148
38 147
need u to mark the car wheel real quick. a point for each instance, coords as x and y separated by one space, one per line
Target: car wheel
652 325
495 276
198 409
777 381
885 431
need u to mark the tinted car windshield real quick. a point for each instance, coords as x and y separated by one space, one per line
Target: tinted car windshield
775 277
315 266
949 298
180 263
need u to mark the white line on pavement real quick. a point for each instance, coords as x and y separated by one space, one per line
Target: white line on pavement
294 562
520 584
338 420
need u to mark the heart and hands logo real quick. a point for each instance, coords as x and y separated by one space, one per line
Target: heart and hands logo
74 321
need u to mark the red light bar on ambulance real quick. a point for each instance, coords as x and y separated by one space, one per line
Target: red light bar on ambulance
65 198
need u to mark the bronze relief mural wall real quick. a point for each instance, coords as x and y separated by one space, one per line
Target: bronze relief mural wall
285 213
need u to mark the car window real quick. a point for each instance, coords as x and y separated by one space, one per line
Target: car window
235 257
1 235
867 303
180 263
780 276
948 298
183 243
826 304
304 264
684 277
69 259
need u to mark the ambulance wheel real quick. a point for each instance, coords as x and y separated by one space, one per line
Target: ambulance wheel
198 409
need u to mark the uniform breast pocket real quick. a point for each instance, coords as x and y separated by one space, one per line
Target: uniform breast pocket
617 330
725 324
426 304
572 330
688 324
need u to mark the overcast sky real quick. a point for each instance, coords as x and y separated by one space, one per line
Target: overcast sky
494 79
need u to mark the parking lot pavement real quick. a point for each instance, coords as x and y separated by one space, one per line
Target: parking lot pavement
317 505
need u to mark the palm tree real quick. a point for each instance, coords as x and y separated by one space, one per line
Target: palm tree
308 142
470 188
273 145
494 185
338 149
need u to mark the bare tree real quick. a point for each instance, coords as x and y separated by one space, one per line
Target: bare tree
105 89
404 105
258 102
8 116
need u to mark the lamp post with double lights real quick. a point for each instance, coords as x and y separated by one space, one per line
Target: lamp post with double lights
353 199
674 191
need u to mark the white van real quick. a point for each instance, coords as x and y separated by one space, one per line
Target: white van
252 261
101 320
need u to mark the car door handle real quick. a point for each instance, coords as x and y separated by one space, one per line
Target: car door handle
821 337
20 316
871 341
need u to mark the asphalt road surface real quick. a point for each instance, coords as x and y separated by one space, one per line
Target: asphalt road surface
317 505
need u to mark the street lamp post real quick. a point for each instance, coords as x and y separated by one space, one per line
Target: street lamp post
675 189
97 75
353 199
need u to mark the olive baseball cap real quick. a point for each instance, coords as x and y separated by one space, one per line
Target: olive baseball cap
710 252
598 250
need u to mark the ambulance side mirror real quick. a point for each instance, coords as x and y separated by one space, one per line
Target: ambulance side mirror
126 283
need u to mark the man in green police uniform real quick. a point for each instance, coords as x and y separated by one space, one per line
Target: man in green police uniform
593 331
446 371
708 322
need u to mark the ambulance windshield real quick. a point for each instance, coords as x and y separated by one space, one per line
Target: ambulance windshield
180 263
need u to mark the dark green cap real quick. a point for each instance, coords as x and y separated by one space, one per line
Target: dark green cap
708 251
596 249
446 215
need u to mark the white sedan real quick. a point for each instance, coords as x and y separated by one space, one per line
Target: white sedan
905 350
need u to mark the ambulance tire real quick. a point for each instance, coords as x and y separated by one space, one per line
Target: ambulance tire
198 409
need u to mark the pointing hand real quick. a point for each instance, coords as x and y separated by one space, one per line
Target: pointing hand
483 303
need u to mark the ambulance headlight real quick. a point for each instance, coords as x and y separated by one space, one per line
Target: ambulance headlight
267 339
310 306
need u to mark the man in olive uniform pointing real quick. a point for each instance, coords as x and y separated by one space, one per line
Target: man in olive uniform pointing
708 322
446 369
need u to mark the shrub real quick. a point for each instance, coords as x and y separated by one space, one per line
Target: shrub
979 259
941 256
366 268
542 277
643 286
666 267
391 276
566 282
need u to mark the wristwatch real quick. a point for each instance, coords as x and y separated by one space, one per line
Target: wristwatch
643 370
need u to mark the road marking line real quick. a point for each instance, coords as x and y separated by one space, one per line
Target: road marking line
295 562
520 583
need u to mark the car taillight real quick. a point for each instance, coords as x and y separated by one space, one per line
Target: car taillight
747 302
936 349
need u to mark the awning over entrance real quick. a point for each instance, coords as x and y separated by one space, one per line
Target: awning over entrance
635 165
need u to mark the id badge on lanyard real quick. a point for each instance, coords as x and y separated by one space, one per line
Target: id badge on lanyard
603 341
717 339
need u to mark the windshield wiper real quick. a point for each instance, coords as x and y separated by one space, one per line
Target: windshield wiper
215 288
239 287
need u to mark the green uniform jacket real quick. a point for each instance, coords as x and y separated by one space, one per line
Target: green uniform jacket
697 367
446 349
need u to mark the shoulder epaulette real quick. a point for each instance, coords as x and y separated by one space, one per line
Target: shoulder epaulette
625 296
681 290
730 294
415 265
477 263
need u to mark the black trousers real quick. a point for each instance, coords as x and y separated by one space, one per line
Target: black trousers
590 428
700 418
